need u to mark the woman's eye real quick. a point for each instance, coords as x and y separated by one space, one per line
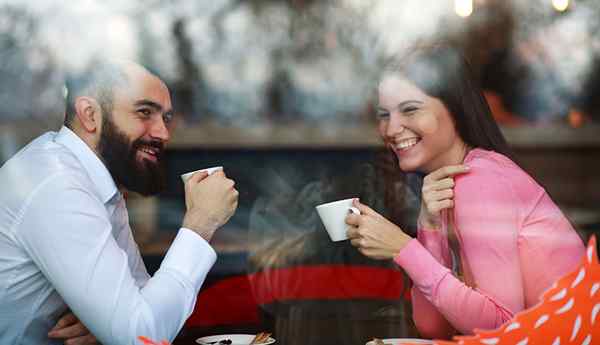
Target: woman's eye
410 110
383 115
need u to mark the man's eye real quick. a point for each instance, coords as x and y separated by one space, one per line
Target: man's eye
167 118
145 112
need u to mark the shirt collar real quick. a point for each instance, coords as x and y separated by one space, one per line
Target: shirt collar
92 164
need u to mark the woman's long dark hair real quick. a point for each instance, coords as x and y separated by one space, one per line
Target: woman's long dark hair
443 72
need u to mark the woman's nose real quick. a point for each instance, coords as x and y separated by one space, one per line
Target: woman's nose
395 126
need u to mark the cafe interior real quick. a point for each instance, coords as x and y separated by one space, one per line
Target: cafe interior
280 93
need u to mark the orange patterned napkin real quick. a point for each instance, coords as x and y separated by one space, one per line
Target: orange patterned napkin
567 314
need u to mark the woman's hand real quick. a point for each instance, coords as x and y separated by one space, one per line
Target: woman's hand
373 235
438 194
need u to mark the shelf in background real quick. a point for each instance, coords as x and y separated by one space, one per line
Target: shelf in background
307 136
302 135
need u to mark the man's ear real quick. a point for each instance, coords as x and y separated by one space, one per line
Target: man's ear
89 113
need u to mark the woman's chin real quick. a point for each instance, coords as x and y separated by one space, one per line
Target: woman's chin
412 159
409 165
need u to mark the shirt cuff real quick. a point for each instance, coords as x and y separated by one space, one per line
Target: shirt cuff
422 268
191 256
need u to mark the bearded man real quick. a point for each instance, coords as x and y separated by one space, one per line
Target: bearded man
70 271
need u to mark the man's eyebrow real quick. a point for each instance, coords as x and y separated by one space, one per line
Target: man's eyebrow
149 103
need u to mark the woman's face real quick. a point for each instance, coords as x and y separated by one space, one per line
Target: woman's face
416 127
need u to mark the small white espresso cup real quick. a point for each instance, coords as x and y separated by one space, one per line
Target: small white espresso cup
211 170
333 215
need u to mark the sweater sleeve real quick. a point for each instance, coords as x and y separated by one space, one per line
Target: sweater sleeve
463 307
486 220
433 240
429 321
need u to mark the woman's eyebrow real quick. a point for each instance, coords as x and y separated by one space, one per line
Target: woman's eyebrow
401 104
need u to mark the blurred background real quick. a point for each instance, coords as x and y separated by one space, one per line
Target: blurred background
280 93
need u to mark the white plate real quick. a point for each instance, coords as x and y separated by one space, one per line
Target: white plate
236 339
396 341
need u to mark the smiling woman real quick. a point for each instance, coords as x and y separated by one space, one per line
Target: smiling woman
490 240
417 127
435 82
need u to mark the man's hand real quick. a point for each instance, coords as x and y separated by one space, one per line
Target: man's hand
72 331
210 201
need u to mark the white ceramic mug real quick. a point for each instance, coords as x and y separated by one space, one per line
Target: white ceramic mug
186 176
333 215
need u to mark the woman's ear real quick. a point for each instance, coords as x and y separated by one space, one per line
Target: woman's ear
89 113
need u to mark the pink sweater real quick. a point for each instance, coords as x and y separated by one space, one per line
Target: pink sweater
514 239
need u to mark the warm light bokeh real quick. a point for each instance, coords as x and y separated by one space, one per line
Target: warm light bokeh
560 5
463 8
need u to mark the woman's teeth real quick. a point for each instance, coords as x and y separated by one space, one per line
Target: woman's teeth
404 144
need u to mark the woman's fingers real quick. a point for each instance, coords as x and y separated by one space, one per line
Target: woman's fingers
438 194
437 191
436 207
352 232
447 171
364 209
442 184
443 194
353 219
356 242
432 186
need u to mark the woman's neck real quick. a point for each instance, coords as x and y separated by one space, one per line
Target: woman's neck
454 156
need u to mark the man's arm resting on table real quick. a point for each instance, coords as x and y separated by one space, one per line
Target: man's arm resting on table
66 231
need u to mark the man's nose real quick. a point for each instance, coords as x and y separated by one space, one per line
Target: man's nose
160 130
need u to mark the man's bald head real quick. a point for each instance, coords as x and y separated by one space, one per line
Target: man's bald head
122 112
99 82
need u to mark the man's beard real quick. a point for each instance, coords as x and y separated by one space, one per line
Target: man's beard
120 157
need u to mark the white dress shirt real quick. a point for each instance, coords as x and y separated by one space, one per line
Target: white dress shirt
65 242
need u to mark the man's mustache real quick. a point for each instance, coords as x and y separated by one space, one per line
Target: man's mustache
157 144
